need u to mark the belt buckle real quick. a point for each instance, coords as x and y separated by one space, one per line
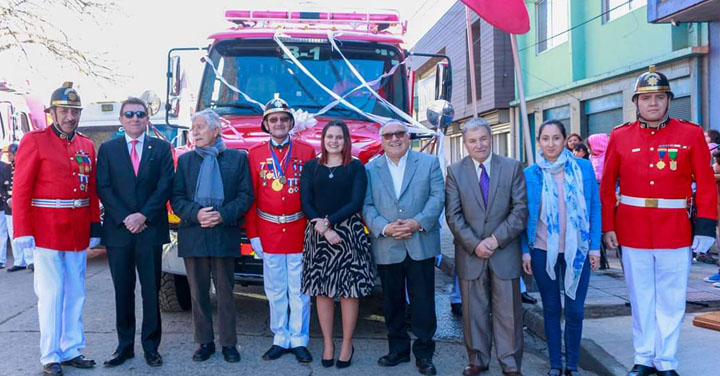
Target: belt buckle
76 203
651 203
282 219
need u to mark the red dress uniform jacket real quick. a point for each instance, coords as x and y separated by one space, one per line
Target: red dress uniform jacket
48 167
634 156
277 238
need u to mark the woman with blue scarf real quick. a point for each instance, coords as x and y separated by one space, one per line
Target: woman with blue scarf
211 194
562 241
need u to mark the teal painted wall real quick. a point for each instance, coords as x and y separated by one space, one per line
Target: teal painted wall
596 49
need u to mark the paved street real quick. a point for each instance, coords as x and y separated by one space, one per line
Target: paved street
19 336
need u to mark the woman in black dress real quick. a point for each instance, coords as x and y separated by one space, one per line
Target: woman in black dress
337 260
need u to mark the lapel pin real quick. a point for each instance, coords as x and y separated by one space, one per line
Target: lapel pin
149 146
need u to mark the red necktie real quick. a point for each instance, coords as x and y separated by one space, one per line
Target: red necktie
134 156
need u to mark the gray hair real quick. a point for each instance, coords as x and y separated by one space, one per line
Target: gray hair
474 124
391 122
211 118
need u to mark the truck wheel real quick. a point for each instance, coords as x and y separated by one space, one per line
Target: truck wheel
174 293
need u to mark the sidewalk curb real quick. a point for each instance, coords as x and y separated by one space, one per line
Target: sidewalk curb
592 356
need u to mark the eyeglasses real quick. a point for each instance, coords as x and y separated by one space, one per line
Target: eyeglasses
283 119
398 134
130 114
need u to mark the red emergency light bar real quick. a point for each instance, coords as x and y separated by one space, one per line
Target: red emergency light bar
374 22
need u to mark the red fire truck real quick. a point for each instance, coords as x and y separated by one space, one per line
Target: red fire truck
328 65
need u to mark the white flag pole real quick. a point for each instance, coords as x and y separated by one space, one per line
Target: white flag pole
523 123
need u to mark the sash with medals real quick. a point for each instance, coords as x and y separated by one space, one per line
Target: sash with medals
278 174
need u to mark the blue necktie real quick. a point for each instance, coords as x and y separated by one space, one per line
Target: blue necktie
484 184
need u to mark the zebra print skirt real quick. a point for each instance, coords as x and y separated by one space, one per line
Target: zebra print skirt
342 270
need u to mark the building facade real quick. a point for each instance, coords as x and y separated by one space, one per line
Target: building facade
494 78
677 12
580 60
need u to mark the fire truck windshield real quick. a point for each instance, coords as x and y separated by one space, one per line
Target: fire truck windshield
260 69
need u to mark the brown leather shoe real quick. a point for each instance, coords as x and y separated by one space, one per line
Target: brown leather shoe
473 370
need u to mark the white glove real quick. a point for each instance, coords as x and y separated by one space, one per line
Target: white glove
25 242
257 247
702 244
94 242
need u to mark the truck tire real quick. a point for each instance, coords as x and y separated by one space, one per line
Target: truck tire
174 293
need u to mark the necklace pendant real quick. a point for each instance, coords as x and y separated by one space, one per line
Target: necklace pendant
331 175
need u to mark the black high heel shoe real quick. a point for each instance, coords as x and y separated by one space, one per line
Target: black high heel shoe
327 363
345 364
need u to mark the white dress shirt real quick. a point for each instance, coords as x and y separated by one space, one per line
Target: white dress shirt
397 171
138 146
485 163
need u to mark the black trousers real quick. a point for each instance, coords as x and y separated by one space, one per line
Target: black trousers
199 272
420 279
123 263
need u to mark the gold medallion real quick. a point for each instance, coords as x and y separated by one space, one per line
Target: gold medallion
276 185
269 175
673 165
660 165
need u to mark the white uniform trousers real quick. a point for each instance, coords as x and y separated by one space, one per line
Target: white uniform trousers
282 275
657 283
22 257
3 239
60 288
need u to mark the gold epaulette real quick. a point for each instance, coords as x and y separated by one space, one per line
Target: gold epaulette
623 125
689 122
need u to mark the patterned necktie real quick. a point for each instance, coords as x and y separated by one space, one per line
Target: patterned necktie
134 158
484 184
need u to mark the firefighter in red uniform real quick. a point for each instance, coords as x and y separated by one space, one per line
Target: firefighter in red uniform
656 160
56 212
276 225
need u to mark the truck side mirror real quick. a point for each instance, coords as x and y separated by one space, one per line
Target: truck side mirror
440 114
175 75
443 81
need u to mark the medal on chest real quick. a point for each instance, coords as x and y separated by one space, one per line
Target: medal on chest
673 153
84 168
661 153
278 168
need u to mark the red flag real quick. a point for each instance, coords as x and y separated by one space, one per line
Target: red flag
507 15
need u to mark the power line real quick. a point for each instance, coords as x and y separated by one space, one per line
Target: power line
576 26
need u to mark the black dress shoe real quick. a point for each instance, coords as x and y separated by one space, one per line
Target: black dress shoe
302 354
15 268
2 265
456 309
274 352
671 372
641 370
79 361
231 354
203 352
393 359
345 363
119 357
153 359
527 298
572 372
52 369
426 366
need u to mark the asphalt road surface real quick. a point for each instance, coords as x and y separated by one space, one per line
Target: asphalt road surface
19 335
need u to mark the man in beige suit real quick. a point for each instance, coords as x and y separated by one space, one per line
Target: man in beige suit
486 210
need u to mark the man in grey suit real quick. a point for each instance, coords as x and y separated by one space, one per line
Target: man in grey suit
402 209
486 210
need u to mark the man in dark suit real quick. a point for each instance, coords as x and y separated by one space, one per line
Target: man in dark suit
134 183
486 210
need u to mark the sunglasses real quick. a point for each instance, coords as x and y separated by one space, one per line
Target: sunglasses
398 134
130 114
282 119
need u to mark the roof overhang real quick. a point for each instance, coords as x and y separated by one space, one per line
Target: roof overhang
680 11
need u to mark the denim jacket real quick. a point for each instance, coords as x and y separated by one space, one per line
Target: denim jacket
534 183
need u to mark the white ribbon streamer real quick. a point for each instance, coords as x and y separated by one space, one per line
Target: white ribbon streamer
222 79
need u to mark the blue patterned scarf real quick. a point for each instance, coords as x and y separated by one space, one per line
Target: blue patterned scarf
209 187
577 227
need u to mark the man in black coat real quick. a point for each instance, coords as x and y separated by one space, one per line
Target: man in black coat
134 183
